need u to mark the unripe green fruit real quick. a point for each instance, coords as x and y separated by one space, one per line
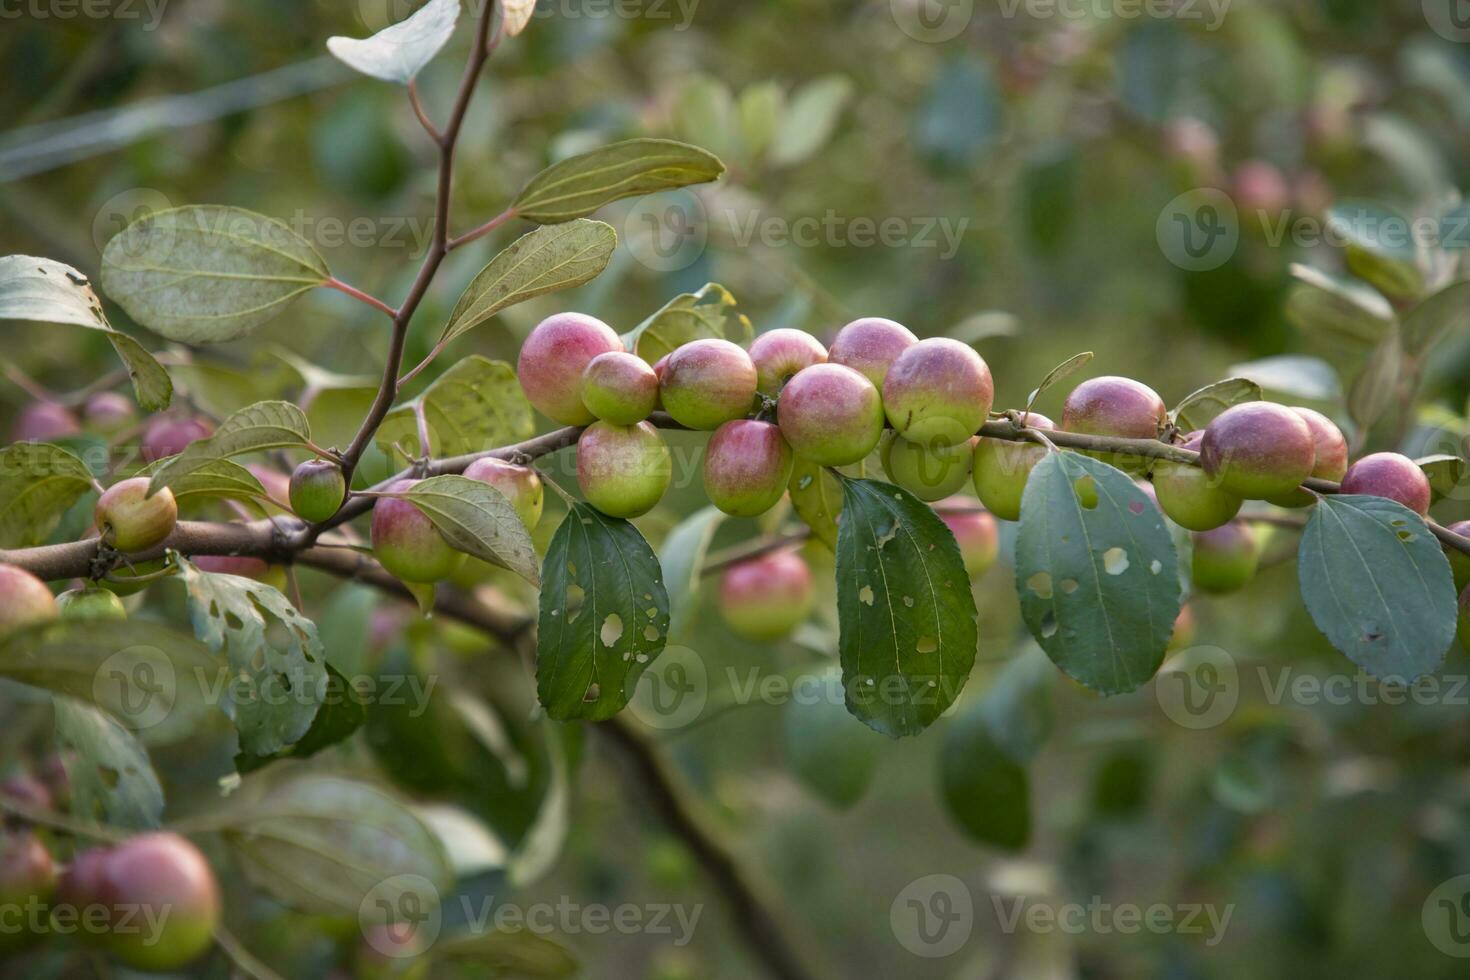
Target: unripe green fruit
408 544
1258 450
81 605
778 355
938 392
623 470
130 520
831 415
707 383
317 490
1225 558
1117 407
619 387
764 598
1001 468
27 881
869 346
1191 497
162 878
746 467
978 536
169 435
1391 475
552 361
929 474
24 601
521 485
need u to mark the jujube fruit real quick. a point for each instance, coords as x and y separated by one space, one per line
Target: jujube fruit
1225 558
108 412
82 605
1331 455
1117 407
130 520
553 358
44 421
169 435
978 536
1258 450
779 354
521 485
27 882
938 392
619 387
623 470
831 415
870 345
24 601
317 490
763 599
747 465
407 543
1001 467
1391 475
929 474
167 880
707 383
1191 497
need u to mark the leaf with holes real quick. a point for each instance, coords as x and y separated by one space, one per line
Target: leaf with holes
342 713
475 405
816 496
399 52
1096 571
112 780
38 482
1378 585
478 520
708 313
683 554
581 184
1200 407
907 633
604 616
254 428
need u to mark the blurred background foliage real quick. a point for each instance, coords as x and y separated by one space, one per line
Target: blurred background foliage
1055 143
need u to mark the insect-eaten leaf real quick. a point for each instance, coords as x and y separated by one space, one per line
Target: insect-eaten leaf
579 185
112 780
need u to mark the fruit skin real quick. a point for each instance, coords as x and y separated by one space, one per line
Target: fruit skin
82 605
1391 475
831 414
747 465
1459 561
24 601
391 951
938 392
521 485
619 387
707 383
869 345
1119 407
1001 467
406 542
317 490
1184 629
27 881
1331 460
169 882
1190 496
1258 450
623 470
43 422
764 598
978 535
1225 558
130 520
553 358
929 474
169 435
108 412
779 354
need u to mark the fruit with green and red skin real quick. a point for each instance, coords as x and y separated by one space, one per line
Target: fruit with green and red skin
169 435
407 543
130 520
1258 450
521 485
870 345
1459 561
22 787
24 601
108 412
707 383
938 392
1001 467
747 465
1391 475
553 358
831 415
90 603
1330 461
619 387
623 470
929 474
779 354
44 421
762 599
167 881
1225 558
317 490
1116 407
978 535
1191 497
27 882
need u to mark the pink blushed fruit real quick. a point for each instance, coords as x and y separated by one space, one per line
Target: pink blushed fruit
108 412
780 354
623 470
521 485
130 520
1001 467
44 422
707 383
831 415
163 878
938 392
1331 458
619 387
1117 407
870 345
169 435
978 536
553 358
747 465
763 599
24 601
27 880
1258 450
406 542
1391 475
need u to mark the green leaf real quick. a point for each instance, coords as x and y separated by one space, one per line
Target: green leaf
478 520
334 846
1061 372
1379 245
1444 471
816 496
683 555
708 313
207 274
604 616
810 119
400 52
1337 310
213 478
1310 378
703 112
53 292
476 405
254 428
829 754
1378 585
278 674
1437 317
1376 386
985 788
38 482
498 952
581 184
342 713
1199 407
759 109
907 616
1096 572
112 780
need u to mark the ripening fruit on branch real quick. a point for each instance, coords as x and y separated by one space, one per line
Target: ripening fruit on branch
707 383
779 354
869 346
1225 558
44 421
162 878
24 601
81 605
521 485
317 490
408 544
747 465
938 392
623 470
1001 468
619 387
764 598
978 536
130 520
108 413
929 474
27 881
1391 475
1258 450
1117 407
831 415
553 358
1191 497
1331 456
169 435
